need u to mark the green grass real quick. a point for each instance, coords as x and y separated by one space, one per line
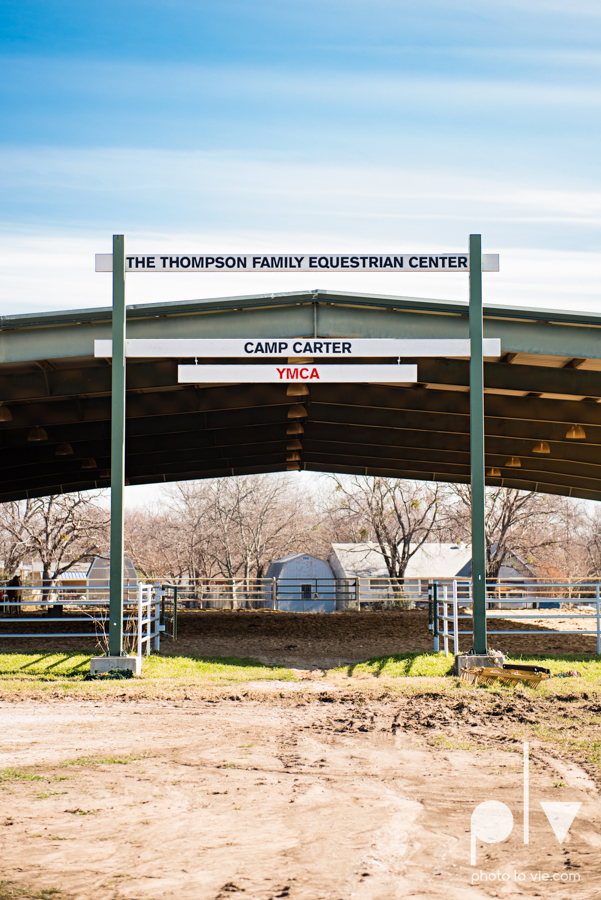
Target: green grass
43 666
102 760
222 668
436 665
9 890
18 775
65 672
51 670
402 665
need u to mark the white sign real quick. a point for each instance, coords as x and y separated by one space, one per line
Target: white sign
301 262
252 348
310 374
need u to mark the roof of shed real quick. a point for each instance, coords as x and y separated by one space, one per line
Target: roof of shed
431 560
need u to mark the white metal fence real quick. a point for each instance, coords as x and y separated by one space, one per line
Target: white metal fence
302 594
151 610
514 601
81 612
149 627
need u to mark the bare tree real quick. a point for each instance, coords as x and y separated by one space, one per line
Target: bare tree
578 552
15 519
189 527
236 526
157 542
399 515
60 530
517 523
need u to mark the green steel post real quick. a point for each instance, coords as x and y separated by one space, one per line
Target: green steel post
477 446
430 616
175 614
117 448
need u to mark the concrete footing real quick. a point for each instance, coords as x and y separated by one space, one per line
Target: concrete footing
494 658
107 663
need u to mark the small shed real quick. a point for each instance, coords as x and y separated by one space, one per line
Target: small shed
99 577
72 583
305 583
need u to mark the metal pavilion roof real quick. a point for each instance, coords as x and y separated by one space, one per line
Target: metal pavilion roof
548 378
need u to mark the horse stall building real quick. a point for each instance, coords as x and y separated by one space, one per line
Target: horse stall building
442 563
304 583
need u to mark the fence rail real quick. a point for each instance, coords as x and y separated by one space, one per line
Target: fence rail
37 606
450 608
148 626
152 610
301 594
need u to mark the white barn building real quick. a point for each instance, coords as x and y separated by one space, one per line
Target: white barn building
304 583
432 561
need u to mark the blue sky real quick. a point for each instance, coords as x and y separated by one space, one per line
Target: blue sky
300 126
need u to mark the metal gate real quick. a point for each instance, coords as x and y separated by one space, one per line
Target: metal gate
168 598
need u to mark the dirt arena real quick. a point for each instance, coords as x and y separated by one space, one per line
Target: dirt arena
307 790
328 640
304 793
320 640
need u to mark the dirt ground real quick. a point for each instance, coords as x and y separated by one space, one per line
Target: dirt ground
296 791
328 640
324 640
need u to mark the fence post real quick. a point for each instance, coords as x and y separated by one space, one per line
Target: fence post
175 612
455 620
445 627
274 593
357 592
139 628
430 623
435 615
598 621
156 617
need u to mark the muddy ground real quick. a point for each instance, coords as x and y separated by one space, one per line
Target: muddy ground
320 640
298 791
329 640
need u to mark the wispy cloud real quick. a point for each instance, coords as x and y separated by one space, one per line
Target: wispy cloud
182 188
343 124
157 83
44 271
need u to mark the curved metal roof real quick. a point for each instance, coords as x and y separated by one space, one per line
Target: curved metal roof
547 379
